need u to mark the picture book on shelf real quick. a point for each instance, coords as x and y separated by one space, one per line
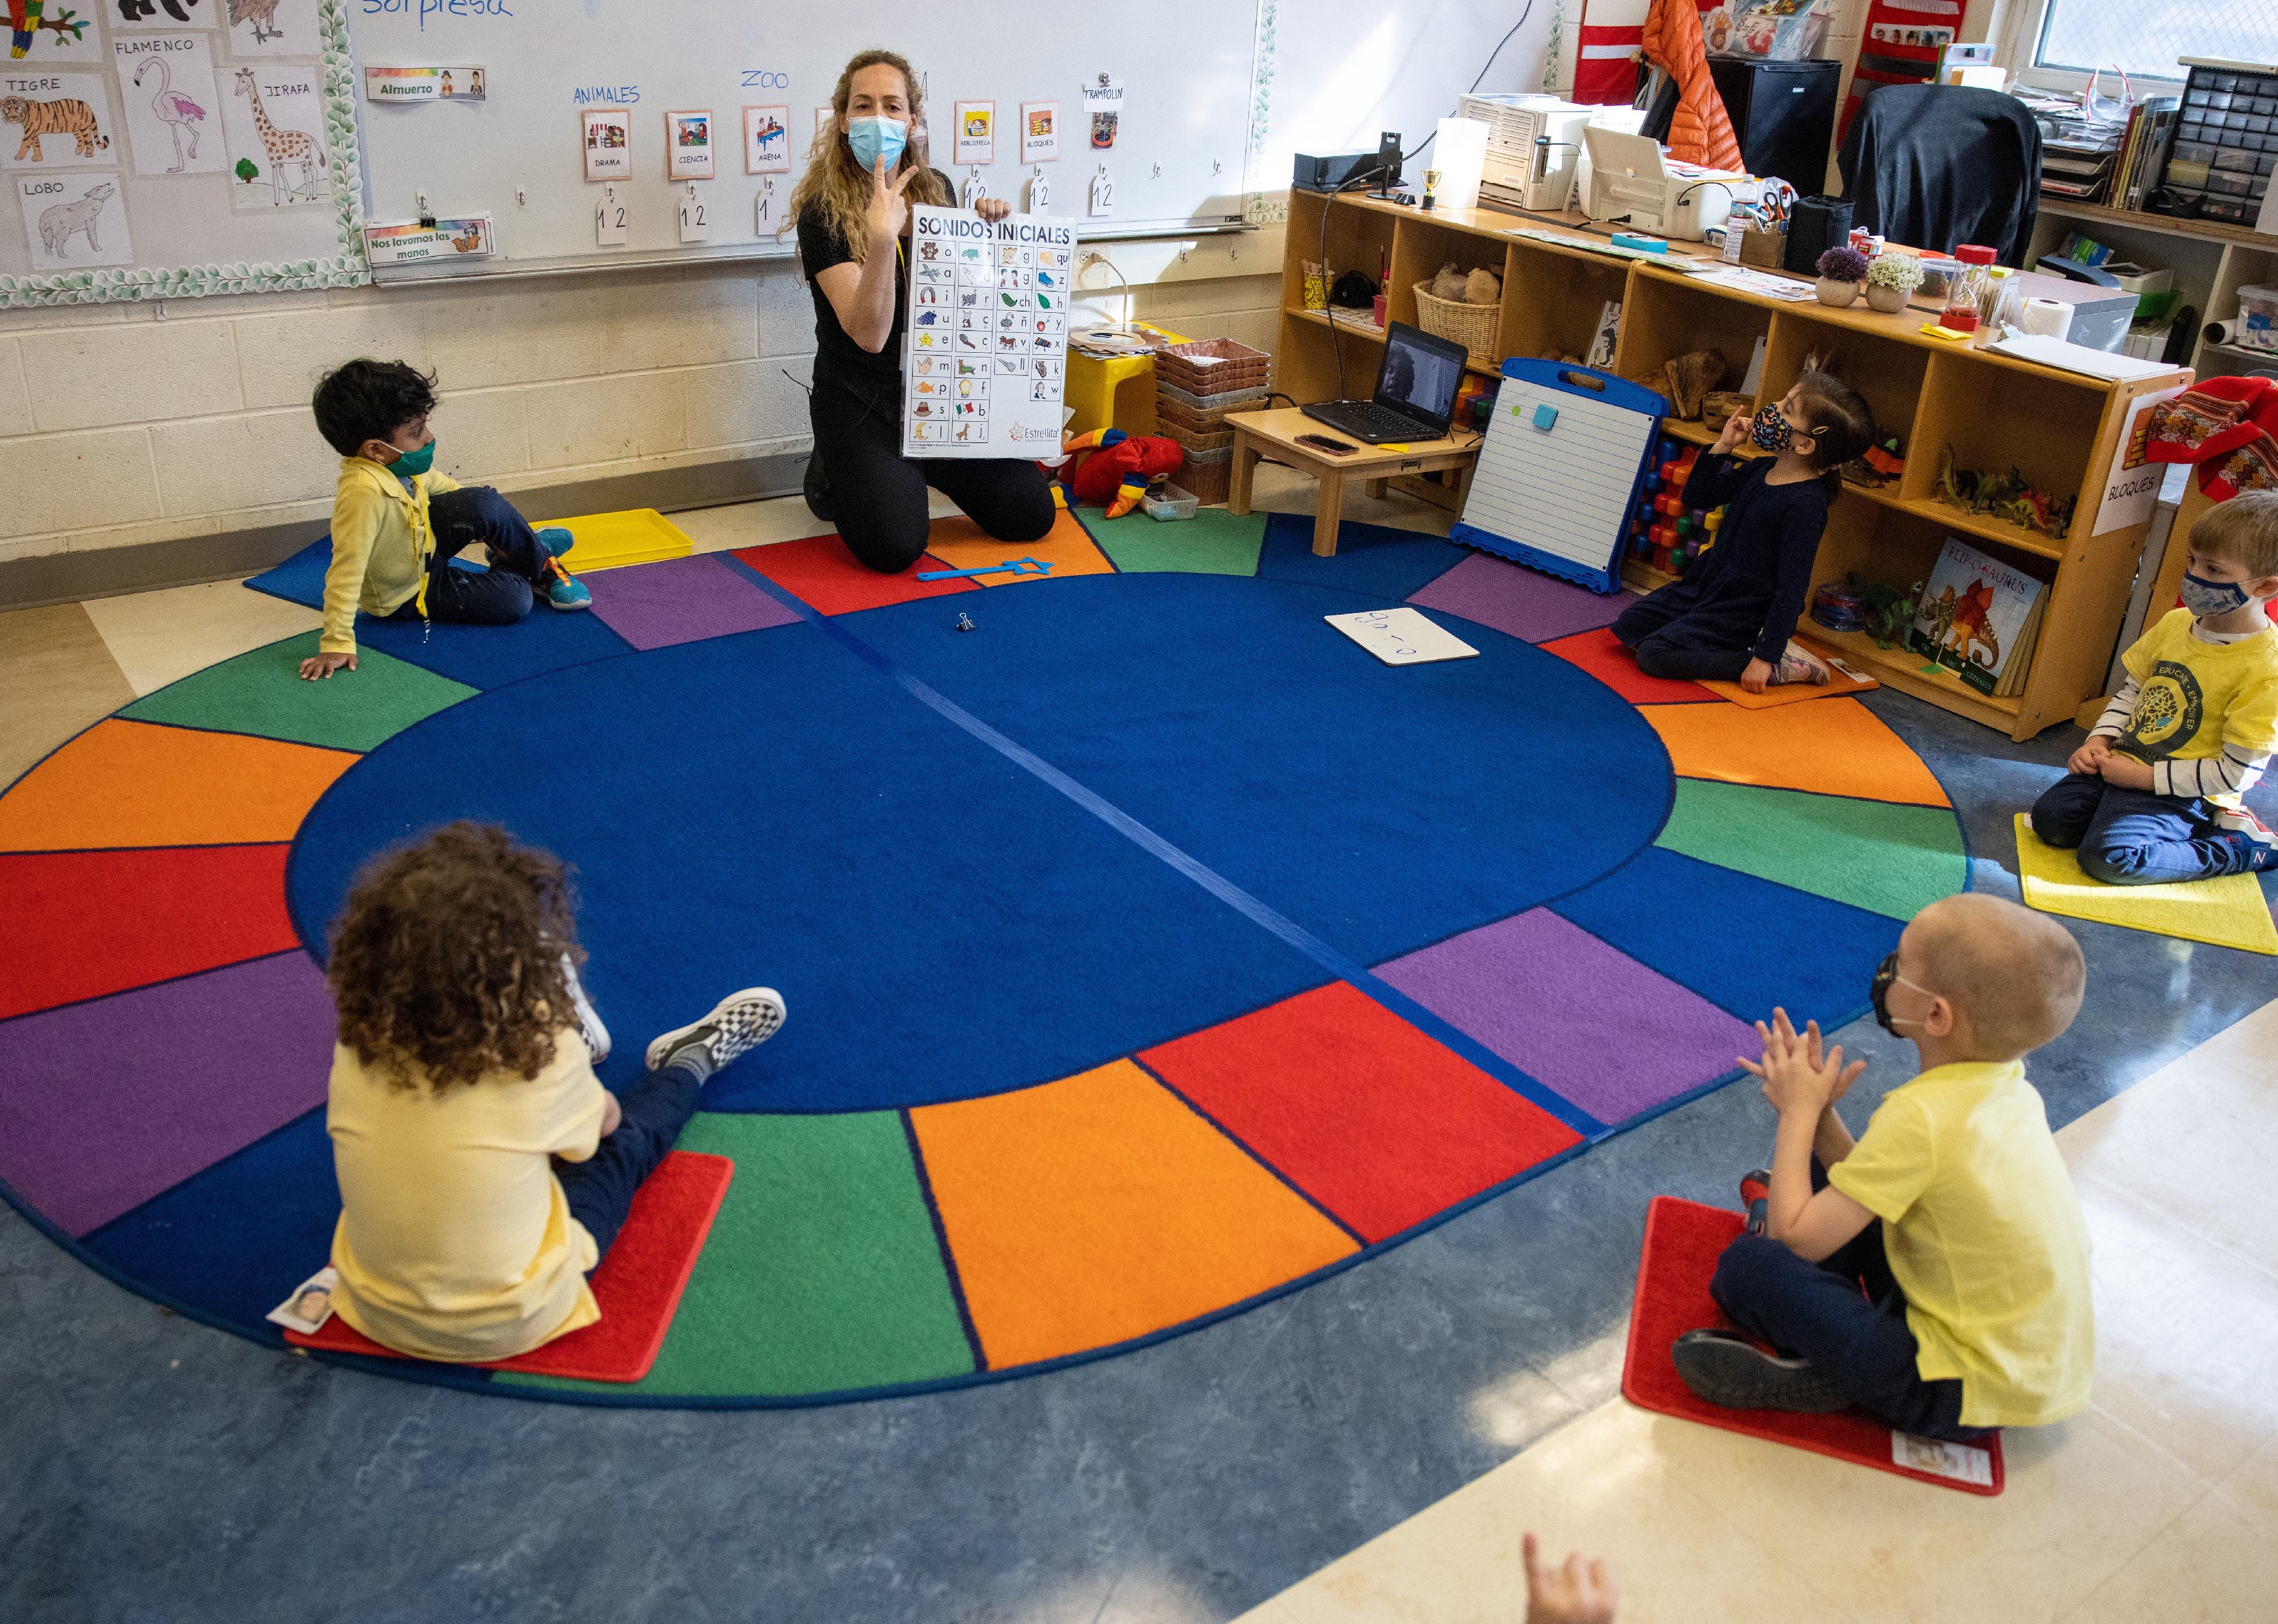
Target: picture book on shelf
1979 618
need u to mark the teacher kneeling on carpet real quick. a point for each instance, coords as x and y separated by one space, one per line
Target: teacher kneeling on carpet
854 199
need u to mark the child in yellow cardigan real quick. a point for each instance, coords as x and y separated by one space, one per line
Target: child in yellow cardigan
397 524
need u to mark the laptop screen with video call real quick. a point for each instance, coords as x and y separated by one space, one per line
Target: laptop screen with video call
1420 375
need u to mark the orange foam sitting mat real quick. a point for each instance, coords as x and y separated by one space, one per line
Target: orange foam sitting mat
638 1285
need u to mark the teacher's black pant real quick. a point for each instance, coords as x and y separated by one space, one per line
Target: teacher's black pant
878 495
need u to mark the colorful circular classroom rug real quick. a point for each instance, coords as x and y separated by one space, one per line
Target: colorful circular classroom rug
1151 947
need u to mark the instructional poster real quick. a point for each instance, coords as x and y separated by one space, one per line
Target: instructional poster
173 106
274 120
988 347
57 121
75 221
287 29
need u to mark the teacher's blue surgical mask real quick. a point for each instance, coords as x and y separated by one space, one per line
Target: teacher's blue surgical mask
873 139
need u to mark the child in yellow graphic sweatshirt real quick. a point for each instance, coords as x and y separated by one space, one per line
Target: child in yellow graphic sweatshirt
2158 792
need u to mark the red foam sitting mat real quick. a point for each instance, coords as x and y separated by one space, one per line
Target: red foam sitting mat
1683 1240
638 1285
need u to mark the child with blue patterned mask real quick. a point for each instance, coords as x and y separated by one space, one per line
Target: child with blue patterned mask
2158 792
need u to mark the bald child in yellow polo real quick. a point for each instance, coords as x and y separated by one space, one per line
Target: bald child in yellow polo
1933 1271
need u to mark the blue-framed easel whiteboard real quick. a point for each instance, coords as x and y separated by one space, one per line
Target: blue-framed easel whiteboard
1565 459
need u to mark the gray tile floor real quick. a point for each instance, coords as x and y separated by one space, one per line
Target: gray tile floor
152 1470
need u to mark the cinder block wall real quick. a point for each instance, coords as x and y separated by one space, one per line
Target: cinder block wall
122 425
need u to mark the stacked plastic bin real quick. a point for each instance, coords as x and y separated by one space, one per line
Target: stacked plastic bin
1195 386
1663 531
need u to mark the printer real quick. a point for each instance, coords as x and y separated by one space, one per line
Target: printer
1629 180
1534 144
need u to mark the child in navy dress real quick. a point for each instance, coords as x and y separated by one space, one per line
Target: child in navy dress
1730 619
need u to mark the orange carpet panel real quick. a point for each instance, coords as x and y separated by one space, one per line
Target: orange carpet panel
1838 748
131 783
1101 1208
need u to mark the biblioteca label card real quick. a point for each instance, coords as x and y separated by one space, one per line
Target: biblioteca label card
1400 636
988 347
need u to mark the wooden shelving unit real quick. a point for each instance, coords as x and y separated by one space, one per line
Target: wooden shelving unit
2061 429
2211 261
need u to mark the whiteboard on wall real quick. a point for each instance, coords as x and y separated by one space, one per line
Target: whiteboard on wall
178 148
1190 91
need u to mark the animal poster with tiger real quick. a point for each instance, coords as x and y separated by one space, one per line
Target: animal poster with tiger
271 27
74 220
51 121
1971 616
273 115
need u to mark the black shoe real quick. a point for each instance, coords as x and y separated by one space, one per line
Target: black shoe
1729 1370
817 488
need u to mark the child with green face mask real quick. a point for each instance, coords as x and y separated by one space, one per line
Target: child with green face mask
397 523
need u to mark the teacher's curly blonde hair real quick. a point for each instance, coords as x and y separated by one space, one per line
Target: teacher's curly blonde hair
839 187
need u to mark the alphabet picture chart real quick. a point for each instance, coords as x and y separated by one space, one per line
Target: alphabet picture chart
988 347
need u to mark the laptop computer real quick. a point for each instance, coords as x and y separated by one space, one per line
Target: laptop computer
1415 391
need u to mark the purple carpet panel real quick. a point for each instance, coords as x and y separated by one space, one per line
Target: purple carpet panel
181 1074
1532 607
1585 1018
683 601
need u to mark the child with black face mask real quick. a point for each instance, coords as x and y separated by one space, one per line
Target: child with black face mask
1730 618
1934 1272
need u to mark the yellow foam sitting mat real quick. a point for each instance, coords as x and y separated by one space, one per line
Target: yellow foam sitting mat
2227 912
614 540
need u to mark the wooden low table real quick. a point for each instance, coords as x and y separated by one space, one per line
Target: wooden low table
1276 433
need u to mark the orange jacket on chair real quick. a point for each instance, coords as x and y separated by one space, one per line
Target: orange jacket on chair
1700 133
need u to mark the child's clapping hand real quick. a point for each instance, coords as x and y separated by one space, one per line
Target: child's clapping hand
1736 430
1797 1076
1579 1592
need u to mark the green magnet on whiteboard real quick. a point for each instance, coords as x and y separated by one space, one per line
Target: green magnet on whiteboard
1544 416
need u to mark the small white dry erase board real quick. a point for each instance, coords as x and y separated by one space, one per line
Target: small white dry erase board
1400 636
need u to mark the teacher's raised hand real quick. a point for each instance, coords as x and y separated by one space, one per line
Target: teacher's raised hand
993 208
889 213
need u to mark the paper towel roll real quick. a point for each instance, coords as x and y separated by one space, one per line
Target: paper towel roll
2237 334
2222 332
2051 317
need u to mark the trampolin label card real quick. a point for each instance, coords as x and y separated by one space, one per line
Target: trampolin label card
987 349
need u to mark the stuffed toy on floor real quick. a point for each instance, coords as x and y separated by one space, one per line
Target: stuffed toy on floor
1113 468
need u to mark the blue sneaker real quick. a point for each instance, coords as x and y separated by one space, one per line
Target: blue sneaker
563 590
555 540
2253 839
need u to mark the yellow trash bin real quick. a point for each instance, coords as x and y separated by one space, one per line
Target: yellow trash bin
1115 393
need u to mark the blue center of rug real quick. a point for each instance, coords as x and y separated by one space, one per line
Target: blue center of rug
771 809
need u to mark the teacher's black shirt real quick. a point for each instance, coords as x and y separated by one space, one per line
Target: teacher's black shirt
819 247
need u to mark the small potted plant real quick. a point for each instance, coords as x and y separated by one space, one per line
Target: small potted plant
1841 270
1891 280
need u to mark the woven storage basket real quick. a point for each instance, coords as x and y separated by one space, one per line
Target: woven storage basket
1470 325
1210 480
1225 401
1215 439
1211 366
1199 420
